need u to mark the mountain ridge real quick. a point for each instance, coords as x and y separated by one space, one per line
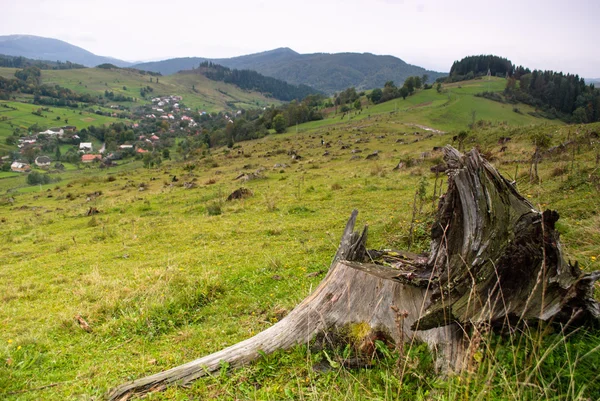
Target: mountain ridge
328 72
42 48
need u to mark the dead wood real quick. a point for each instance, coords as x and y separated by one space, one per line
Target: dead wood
493 258
240 193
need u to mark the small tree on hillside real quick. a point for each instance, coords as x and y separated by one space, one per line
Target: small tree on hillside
376 95
410 84
404 92
279 123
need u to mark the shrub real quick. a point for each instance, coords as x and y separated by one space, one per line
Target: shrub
35 178
214 209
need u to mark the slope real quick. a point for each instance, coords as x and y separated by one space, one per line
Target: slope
197 90
168 274
451 110
37 47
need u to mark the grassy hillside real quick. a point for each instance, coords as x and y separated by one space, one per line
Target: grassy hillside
19 115
208 95
166 274
197 90
451 110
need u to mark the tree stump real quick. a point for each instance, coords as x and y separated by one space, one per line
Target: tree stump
494 259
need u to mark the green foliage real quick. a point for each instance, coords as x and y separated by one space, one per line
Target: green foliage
252 80
214 208
24 62
376 95
35 178
279 123
475 66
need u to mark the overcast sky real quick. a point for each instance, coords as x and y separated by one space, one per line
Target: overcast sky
545 34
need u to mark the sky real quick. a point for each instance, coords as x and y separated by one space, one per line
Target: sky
549 34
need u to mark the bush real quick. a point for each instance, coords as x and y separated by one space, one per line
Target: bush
35 178
214 209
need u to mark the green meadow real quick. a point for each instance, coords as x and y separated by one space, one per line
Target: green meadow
165 274
15 115
197 90
452 109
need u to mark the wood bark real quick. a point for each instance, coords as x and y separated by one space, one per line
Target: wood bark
493 258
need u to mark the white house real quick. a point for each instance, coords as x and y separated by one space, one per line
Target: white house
85 146
43 161
20 167
59 133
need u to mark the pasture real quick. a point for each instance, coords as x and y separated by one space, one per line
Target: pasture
165 274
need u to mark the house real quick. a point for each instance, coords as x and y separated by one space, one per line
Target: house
90 158
69 128
154 138
85 146
43 161
140 150
53 132
126 147
20 167
26 141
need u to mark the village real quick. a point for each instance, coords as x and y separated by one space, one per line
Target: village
155 127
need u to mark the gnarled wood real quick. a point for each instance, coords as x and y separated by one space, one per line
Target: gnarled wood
493 257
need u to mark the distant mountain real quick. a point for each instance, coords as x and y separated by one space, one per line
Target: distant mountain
595 81
323 71
39 48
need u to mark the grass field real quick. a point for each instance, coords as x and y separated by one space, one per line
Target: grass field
19 115
209 95
451 110
166 274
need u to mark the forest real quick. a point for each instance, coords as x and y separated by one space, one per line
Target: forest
252 80
556 94
23 62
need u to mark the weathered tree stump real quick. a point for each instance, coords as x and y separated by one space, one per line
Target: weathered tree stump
494 259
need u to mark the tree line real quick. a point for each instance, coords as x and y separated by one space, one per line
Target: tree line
252 80
391 91
557 95
564 96
24 62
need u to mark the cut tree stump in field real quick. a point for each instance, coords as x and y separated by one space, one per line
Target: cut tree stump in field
494 260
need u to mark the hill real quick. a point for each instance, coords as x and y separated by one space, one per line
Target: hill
169 270
197 90
40 48
323 71
454 108
252 80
